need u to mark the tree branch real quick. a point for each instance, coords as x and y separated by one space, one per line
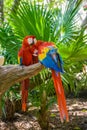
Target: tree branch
11 74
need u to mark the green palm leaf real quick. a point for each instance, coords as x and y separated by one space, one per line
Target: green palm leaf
32 19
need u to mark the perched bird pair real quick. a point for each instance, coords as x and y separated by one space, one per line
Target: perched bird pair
27 56
47 54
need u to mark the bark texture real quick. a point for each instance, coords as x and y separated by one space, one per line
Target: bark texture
11 74
1 11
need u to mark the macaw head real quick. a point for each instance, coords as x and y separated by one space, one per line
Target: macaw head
29 41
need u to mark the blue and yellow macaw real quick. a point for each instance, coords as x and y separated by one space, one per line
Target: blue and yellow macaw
48 56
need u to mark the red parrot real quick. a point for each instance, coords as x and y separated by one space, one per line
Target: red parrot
27 55
48 56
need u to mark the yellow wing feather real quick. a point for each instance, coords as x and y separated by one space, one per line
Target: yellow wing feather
43 53
19 59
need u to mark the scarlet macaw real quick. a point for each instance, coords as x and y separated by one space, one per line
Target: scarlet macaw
48 55
27 56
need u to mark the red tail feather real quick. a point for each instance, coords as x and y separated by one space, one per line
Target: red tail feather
60 96
25 86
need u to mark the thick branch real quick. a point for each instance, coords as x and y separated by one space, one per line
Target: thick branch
11 74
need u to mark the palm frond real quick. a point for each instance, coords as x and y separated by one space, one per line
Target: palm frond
76 51
66 27
32 19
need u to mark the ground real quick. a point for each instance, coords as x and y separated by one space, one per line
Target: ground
77 113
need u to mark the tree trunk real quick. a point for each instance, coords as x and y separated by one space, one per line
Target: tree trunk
11 74
15 5
1 11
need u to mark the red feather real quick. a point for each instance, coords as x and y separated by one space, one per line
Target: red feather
26 53
60 96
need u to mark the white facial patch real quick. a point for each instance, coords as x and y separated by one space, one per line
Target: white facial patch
30 41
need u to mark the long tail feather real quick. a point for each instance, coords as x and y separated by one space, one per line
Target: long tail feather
60 96
25 86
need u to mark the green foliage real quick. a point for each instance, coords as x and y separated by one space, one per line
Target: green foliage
10 99
7 8
45 83
43 96
47 23
32 19
9 44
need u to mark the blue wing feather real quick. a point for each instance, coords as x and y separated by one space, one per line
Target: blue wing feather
53 60
21 61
